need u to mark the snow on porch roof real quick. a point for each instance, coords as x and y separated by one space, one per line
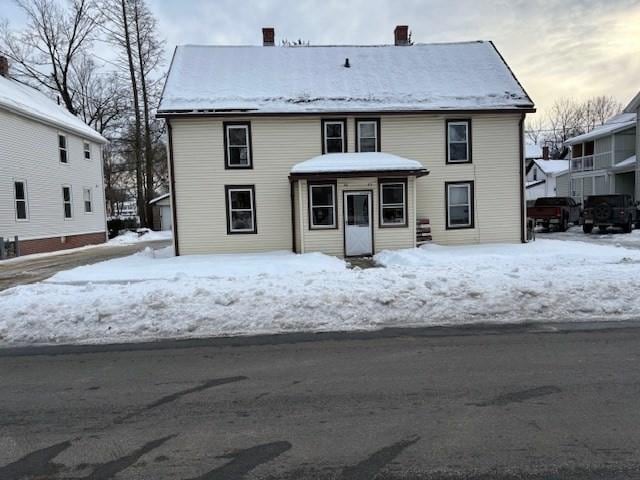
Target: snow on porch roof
444 76
353 163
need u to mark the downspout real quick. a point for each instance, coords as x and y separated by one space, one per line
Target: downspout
300 206
172 189
523 212
293 215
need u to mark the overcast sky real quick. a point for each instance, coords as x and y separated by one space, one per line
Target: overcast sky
556 48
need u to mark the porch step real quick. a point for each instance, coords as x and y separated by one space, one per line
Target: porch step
423 231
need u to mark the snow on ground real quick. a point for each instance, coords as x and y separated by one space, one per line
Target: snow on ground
141 235
612 237
548 280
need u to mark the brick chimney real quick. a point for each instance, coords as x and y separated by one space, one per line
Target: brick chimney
401 35
545 152
4 66
268 37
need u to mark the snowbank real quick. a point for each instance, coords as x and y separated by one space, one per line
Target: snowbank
548 280
142 235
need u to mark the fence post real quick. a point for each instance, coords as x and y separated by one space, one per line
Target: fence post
1 248
16 246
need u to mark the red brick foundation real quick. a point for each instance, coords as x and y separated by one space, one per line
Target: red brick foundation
52 244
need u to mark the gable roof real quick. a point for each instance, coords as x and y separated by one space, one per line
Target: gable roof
552 167
445 76
615 124
29 102
634 104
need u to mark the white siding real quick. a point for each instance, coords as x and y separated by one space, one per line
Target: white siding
29 151
562 185
280 142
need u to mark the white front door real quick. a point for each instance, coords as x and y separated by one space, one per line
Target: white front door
358 228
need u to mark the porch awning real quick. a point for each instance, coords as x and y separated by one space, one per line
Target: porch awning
369 164
628 165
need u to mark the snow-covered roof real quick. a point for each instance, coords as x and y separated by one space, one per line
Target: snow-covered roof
29 102
358 162
535 183
552 167
532 150
634 104
628 163
157 199
615 124
446 76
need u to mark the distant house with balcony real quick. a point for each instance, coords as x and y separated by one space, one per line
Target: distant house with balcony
603 161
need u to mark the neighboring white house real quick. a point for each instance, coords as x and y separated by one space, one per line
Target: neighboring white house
51 184
604 160
343 149
161 212
541 177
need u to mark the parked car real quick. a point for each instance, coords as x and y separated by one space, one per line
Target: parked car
606 211
559 211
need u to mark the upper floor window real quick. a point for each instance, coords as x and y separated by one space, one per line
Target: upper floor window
334 136
458 141
62 148
589 148
67 203
87 150
237 145
368 133
459 199
241 209
20 194
535 174
322 206
87 196
576 150
393 203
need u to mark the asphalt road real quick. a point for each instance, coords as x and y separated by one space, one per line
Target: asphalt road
35 269
497 403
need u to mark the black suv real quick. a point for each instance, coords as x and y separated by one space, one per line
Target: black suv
609 211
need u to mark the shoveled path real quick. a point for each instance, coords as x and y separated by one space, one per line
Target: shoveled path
523 402
30 270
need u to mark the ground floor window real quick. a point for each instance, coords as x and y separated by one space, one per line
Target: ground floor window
459 200
241 209
88 200
20 193
393 203
67 204
322 206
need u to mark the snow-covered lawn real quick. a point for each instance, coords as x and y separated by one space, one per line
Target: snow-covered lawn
141 235
153 295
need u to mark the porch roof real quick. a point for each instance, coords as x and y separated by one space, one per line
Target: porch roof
628 165
358 164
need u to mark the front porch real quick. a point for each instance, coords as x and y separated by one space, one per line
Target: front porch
354 204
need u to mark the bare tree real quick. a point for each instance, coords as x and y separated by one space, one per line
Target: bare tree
535 129
598 110
55 38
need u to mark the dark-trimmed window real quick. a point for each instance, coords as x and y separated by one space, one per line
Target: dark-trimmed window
393 203
87 150
458 141
87 197
334 136
322 206
368 134
459 203
241 208
67 202
20 195
237 145
62 148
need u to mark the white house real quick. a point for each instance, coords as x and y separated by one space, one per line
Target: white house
542 175
162 216
343 149
603 161
51 184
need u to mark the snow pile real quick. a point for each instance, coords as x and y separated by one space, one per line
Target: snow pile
141 235
548 280
356 162
422 76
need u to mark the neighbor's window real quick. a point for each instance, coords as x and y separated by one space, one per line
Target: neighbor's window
62 147
88 200
67 202
241 209
393 203
322 206
87 151
535 174
458 141
459 205
576 150
368 135
334 136
589 148
20 193
238 145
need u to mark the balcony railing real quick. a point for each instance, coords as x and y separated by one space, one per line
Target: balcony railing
580 164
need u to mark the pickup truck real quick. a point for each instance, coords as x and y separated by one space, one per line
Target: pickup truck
610 211
559 211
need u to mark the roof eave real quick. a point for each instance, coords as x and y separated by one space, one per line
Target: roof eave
594 135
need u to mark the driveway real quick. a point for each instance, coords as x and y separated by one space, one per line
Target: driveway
30 270
440 404
614 237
